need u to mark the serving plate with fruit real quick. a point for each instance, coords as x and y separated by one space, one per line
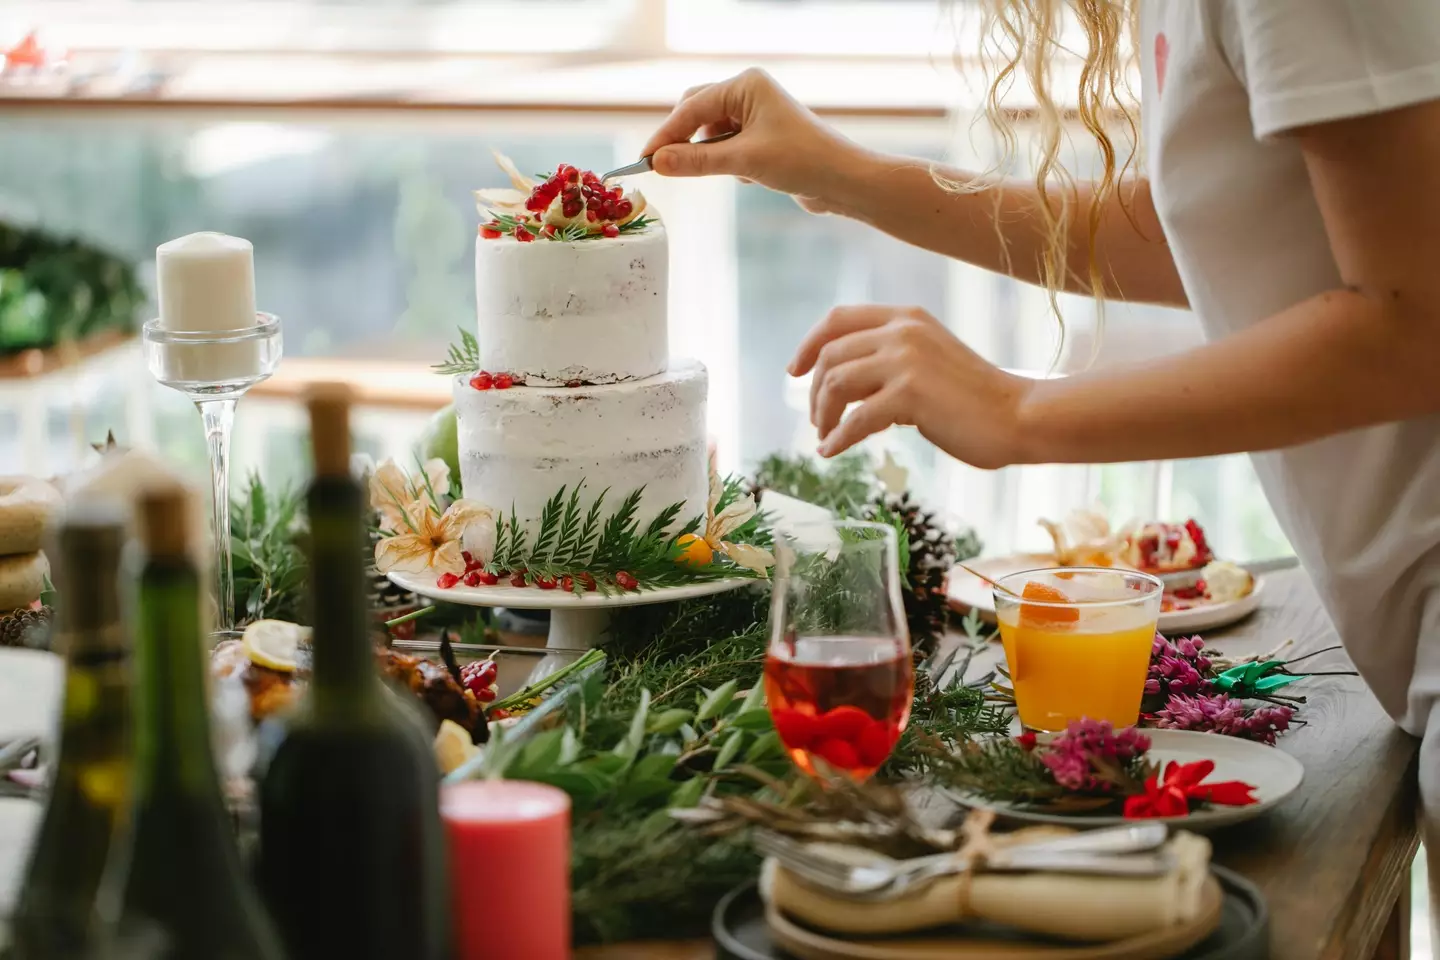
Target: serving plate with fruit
1201 591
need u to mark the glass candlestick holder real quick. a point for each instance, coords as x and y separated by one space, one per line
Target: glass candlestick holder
214 368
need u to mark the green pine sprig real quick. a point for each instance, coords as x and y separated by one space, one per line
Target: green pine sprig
461 358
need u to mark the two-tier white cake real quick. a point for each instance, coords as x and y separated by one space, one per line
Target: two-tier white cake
577 384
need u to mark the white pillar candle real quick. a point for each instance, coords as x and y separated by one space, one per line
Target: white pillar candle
207 285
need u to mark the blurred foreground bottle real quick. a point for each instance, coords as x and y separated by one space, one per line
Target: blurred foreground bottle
176 883
352 857
54 917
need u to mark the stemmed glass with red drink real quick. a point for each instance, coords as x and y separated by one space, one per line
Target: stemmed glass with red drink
838 675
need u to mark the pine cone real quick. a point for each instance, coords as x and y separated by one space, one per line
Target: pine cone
932 553
26 628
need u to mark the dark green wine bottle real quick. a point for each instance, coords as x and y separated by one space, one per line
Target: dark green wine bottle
177 886
351 857
54 918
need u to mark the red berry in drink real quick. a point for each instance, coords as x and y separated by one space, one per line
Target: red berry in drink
844 723
446 581
482 381
504 381
797 730
840 754
874 743
610 230
625 581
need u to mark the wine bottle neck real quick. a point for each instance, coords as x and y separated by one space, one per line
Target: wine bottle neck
344 679
172 718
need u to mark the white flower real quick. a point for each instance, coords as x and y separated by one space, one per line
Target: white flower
392 490
429 541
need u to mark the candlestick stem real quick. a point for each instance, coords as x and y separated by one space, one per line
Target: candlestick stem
218 416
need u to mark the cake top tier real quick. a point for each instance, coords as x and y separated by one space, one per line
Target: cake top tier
569 205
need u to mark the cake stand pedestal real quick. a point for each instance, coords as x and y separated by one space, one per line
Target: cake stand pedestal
576 622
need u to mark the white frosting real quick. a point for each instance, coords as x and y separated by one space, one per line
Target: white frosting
519 446
552 312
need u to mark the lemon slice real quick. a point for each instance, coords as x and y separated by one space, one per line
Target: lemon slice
274 643
453 746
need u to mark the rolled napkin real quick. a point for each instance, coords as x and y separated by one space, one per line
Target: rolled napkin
1085 908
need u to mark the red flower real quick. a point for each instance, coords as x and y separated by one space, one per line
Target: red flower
1182 783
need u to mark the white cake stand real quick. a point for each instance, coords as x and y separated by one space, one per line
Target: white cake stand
576 622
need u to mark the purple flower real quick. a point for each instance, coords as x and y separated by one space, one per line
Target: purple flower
1176 667
1070 756
1223 714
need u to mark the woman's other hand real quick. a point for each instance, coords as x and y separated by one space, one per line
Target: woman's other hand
902 366
780 143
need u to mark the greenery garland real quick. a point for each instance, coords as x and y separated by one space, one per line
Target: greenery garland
54 290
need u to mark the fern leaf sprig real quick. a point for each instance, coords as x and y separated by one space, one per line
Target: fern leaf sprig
564 553
585 543
545 538
461 358
618 529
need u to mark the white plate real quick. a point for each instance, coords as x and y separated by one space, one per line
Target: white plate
1274 774
30 686
968 592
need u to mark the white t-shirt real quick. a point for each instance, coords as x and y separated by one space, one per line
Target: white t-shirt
1223 81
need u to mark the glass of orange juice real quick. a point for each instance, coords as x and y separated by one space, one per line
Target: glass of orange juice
1077 641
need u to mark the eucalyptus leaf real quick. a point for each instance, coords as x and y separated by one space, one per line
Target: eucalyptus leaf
539 755
729 749
688 794
717 700
754 697
670 721
766 745
752 720
630 746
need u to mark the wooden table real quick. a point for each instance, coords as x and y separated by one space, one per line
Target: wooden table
1334 859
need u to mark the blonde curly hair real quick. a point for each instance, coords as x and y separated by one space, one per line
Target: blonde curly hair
1023 39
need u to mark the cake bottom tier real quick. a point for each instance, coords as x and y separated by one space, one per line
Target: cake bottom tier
519 447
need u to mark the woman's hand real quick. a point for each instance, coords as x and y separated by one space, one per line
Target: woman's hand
904 367
780 144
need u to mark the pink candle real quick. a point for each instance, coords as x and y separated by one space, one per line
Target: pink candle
510 869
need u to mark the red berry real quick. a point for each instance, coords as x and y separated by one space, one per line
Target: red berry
624 581
875 743
517 579
498 715
504 381
482 381
545 583
610 230
472 579
485 694
1027 740
487 578
844 723
491 231
624 208
567 583
838 753
446 581
586 580
796 729
523 235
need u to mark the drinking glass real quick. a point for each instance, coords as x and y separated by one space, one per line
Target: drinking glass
1077 643
838 675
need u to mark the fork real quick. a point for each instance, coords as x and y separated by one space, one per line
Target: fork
646 164
1099 852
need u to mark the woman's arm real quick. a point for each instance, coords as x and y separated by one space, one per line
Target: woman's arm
784 146
1352 357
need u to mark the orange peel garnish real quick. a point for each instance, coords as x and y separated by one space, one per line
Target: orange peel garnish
1032 614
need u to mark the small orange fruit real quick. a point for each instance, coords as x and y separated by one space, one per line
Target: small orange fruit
1030 613
694 551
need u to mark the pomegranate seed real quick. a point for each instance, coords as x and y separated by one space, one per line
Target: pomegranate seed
504 381
482 381
403 631
485 694
472 579
446 581
614 194
591 215
624 581
567 584
572 208
469 558
587 581
487 578
523 235
624 208
610 230
517 580
545 583
572 384
491 231
498 715
548 231
572 193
